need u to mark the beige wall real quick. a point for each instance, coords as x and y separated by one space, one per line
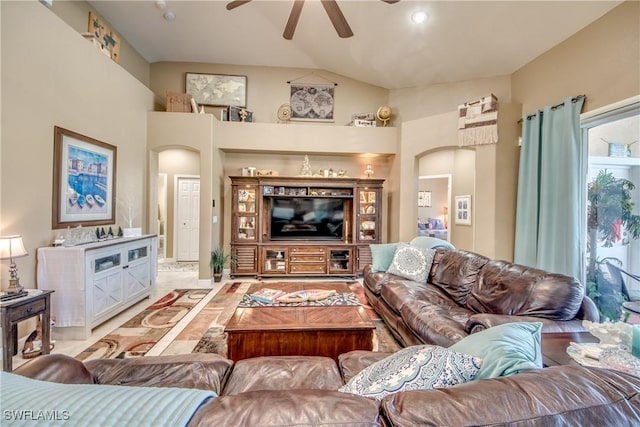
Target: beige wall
76 14
267 88
488 173
66 82
600 61
192 132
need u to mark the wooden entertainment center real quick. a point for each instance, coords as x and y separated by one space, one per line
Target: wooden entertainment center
303 226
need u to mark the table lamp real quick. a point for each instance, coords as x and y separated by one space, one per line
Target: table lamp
12 247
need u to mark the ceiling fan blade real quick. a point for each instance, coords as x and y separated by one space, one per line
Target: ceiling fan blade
391 1
233 4
337 18
290 28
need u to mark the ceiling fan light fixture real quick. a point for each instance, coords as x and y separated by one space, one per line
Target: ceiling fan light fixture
419 17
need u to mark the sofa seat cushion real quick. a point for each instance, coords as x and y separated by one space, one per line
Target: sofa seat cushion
205 371
418 367
456 272
398 292
561 395
289 408
505 288
435 323
282 373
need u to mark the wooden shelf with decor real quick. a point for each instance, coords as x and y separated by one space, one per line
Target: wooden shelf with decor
303 226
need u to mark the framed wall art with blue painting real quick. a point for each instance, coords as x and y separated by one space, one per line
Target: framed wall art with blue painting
84 180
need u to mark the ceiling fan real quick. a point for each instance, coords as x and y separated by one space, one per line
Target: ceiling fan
333 10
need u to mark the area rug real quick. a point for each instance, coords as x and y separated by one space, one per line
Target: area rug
138 335
219 310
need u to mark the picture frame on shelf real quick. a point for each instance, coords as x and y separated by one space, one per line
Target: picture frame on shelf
84 180
312 102
424 199
238 114
463 210
217 90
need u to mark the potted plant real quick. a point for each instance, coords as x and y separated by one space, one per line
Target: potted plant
609 214
217 262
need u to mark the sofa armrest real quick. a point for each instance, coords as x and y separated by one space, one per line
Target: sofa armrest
205 371
588 310
482 321
56 368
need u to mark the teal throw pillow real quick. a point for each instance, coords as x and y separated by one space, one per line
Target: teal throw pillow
505 349
382 255
431 243
420 367
412 263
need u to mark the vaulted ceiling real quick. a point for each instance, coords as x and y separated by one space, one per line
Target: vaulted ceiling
460 40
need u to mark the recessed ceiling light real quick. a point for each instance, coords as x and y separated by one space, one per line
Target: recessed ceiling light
419 16
169 16
160 4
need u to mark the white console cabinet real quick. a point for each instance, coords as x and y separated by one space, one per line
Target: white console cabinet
96 281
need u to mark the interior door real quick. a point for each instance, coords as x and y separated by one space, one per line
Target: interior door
188 214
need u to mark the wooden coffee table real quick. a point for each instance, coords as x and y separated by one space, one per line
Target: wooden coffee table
298 331
554 346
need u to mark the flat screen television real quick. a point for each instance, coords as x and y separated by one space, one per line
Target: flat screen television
303 218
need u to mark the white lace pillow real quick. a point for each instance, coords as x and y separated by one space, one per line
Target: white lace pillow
412 263
420 367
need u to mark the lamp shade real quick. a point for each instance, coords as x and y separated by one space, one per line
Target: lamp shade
12 247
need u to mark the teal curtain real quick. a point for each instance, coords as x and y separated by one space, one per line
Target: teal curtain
551 190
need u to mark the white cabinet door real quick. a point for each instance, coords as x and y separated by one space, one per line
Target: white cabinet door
107 293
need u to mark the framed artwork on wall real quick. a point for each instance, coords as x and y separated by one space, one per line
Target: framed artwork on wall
311 102
463 210
424 199
217 90
84 180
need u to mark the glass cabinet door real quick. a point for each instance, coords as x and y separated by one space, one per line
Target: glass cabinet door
367 215
246 213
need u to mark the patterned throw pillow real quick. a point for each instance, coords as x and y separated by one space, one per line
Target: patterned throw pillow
420 367
412 263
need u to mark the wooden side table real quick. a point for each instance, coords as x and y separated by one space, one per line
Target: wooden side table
36 302
554 346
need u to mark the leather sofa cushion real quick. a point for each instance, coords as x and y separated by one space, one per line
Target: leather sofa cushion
434 323
288 408
456 273
57 368
352 362
561 395
375 281
505 288
205 371
400 291
282 373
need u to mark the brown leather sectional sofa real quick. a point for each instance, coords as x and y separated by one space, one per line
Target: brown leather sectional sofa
466 292
286 391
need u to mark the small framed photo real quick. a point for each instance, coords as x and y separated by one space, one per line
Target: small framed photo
267 190
463 210
217 90
424 199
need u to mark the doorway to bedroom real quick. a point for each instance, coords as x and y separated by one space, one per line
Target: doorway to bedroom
434 195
